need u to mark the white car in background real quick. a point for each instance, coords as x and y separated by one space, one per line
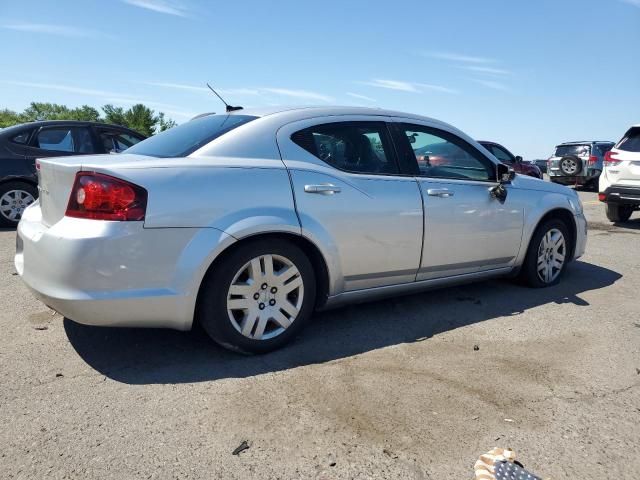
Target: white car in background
620 179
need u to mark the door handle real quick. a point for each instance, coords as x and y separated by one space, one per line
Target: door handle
440 192
324 189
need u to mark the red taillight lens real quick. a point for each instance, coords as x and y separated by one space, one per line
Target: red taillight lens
101 197
602 197
610 159
593 160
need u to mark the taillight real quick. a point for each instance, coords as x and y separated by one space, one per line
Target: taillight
102 197
610 159
602 197
593 159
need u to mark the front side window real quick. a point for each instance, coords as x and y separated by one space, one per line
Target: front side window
359 147
443 155
114 141
501 154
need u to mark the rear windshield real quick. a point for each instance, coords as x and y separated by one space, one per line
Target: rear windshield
631 141
185 139
564 150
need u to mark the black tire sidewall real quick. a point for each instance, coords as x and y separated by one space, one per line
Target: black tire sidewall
8 186
529 271
212 300
618 213
578 166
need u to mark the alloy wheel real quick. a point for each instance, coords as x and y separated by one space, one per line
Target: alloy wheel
570 166
551 255
265 297
13 204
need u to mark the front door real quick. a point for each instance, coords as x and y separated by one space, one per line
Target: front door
351 197
466 229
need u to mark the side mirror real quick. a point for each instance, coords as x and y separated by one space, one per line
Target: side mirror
519 159
505 173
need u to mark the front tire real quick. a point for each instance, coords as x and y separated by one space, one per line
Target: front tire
14 198
617 213
547 255
259 297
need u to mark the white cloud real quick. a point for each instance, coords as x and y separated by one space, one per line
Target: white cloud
635 3
160 6
492 84
60 30
106 96
456 57
392 85
299 94
361 97
488 70
411 87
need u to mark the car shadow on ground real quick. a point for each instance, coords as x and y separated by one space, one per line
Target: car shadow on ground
143 356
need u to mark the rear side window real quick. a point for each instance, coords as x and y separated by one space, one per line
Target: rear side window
21 138
65 139
185 139
566 150
631 141
358 147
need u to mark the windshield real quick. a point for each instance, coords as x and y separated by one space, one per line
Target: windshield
185 139
579 150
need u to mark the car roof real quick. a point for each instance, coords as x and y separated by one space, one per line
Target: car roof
587 142
78 123
311 111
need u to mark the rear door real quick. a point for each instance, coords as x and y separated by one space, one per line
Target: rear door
351 197
60 140
466 230
624 167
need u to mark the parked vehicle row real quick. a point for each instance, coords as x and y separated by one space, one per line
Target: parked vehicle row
248 222
20 145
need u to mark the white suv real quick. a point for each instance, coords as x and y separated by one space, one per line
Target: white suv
620 179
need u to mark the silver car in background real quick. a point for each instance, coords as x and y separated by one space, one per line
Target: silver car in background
247 222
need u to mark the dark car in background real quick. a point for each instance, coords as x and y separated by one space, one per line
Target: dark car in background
20 145
508 158
578 163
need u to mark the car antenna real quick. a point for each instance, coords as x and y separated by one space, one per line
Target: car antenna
229 108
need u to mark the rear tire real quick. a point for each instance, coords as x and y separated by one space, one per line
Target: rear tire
246 308
14 198
547 255
617 213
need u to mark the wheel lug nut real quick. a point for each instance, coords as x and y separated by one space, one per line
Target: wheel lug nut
272 302
261 306
264 286
274 289
256 296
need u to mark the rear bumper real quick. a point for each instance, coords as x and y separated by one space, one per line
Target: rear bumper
622 195
114 273
575 180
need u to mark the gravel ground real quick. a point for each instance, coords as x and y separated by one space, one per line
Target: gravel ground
392 389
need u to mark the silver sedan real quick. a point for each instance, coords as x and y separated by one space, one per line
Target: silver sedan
247 222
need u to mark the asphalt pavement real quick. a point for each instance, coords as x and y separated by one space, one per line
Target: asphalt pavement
391 389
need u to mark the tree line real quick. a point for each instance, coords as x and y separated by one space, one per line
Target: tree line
139 117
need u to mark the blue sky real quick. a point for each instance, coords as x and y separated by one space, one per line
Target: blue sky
528 74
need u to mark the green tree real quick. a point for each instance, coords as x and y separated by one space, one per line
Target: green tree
164 123
9 118
141 119
114 115
53 111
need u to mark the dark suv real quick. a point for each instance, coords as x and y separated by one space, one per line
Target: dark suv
578 163
20 145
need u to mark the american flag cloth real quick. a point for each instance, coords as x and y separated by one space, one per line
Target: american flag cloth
498 464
